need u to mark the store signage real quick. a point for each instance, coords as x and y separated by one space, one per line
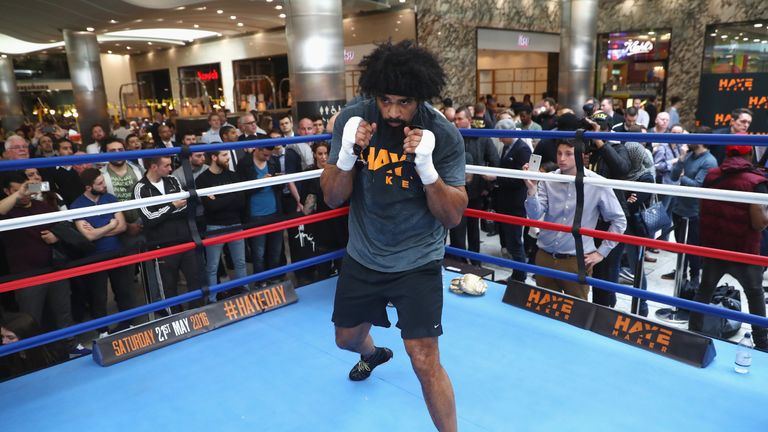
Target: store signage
719 94
523 41
349 56
208 76
634 47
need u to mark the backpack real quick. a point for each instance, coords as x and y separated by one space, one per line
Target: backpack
727 297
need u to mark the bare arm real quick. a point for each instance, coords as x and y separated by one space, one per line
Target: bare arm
336 185
92 233
447 203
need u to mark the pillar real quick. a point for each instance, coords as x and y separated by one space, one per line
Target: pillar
578 36
87 81
315 56
11 112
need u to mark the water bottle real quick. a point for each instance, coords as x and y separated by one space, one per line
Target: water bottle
744 354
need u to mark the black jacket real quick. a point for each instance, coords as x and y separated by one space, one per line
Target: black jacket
163 223
512 192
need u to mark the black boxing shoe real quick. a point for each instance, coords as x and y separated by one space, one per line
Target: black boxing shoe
365 366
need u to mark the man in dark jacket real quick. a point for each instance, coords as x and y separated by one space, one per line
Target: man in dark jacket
735 227
483 153
512 194
611 160
166 224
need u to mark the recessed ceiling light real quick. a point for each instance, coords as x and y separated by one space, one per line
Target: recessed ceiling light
713 34
764 41
269 1
233 17
181 8
354 35
113 21
201 8
196 26
282 15
724 37
402 1
127 47
398 22
159 20
51 40
138 20
149 43
755 40
279 7
90 29
651 33
758 25
180 22
219 11
353 28
239 24
397 29
117 44
109 51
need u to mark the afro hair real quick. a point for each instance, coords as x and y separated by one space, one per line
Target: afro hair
401 69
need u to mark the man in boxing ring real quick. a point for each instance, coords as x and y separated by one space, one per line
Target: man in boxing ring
398 219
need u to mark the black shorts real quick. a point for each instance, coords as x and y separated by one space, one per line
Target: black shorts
362 295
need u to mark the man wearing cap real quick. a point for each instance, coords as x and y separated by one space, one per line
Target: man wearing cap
735 227
399 214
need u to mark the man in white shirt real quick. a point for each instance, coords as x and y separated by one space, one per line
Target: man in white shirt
97 134
212 134
642 115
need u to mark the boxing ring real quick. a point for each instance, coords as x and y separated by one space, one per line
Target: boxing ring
511 369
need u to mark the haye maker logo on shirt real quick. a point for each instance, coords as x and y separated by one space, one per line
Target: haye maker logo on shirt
382 159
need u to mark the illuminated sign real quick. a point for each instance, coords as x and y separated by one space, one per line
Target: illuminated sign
208 76
634 47
523 41
349 56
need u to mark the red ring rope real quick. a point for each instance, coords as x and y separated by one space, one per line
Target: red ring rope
171 250
624 238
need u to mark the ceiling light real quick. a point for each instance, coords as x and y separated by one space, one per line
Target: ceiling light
219 11
113 21
758 25
724 37
282 15
109 51
239 24
149 43
138 20
741 34
651 33
755 40
233 17
196 26
181 8
4 56
354 35
127 47
117 44
269 1
745 39
180 22
713 34
279 7
201 8
763 41
159 20
402 1
353 28
397 29
90 29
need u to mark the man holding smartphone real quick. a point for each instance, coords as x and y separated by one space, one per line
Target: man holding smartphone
556 202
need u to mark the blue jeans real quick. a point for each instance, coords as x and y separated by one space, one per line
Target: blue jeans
266 249
213 256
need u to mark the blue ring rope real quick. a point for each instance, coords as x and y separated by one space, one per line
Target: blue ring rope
76 329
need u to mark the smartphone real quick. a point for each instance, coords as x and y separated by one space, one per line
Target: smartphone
534 162
38 187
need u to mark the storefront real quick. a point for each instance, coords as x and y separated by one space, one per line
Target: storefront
735 74
633 65
512 64
262 83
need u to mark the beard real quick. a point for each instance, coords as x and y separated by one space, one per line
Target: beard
117 163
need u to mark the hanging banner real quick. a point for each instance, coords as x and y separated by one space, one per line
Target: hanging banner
719 94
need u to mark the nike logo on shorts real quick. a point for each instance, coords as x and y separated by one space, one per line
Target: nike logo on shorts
437 325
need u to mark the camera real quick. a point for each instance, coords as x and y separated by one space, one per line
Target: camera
39 187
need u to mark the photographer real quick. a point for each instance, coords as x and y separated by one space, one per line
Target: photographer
609 159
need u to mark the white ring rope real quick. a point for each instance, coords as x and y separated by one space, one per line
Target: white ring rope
47 218
674 190
684 191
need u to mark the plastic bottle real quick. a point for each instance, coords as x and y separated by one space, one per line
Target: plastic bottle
744 354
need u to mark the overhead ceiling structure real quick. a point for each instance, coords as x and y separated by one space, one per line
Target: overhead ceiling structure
136 26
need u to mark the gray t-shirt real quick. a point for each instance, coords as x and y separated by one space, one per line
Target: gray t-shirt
390 226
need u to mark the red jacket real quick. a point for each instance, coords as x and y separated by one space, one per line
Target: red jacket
727 225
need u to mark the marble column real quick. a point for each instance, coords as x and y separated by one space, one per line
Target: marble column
578 38
11 112
87 80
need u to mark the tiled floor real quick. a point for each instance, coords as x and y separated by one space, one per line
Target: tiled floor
666 263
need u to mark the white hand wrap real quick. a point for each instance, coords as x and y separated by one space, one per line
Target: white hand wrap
423 160
347 157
